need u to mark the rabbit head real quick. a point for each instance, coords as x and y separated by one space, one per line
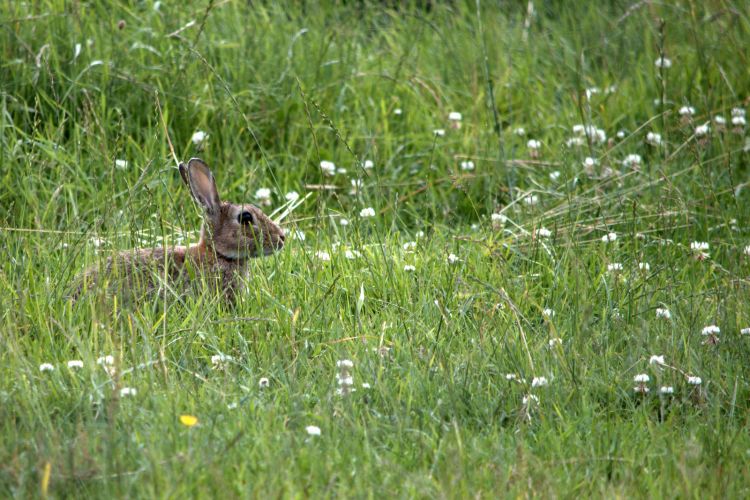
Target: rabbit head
233 232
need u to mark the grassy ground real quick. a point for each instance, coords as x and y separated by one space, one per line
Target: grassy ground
92 94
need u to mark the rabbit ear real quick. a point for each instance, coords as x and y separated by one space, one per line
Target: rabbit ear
201 182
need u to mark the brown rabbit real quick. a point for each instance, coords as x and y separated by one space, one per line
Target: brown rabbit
231 235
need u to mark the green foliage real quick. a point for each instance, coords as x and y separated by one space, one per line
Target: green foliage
95 94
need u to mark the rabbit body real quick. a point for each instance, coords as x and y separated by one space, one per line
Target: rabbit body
231 235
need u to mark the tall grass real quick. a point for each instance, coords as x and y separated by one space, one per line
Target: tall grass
87 169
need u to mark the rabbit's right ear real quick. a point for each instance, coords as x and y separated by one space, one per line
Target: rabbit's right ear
200 180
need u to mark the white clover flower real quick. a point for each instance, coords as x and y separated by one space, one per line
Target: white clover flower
694 380
263 383
666 389
539 382
398 111
46 367
519 131
323 255
596 135
710 330
632 160
687 111
419 234
745 331
746 250
340 170
128 391
531 200
312 430
553 342
511 376
453 258
656 360
621 134
663 313
738 112
720 120
641 378
343 221
738 121
699 246
644 266
409 268
121 164
438 132
105 360
352 254
410 246
548 312
609 237
467 165
702 130
328 167
574 141
365 385
455 116
543 232
533 144
263 194
291 196
502 219
346 381
653 139
589 162
219 360
345 363
641 388
554 175
592 91
530 399
368 164
663 62
75 363
614 267
367 212
198 137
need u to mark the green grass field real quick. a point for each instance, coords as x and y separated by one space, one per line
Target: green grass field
500 338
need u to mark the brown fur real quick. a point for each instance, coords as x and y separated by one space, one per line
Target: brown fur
225 247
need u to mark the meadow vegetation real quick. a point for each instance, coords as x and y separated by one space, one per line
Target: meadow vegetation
516 265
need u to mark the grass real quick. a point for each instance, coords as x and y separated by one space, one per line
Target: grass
279 90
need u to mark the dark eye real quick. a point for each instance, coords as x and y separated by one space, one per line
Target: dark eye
246 218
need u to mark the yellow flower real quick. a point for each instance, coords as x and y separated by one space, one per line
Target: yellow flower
188 420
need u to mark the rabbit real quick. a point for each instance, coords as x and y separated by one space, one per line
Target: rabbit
231 235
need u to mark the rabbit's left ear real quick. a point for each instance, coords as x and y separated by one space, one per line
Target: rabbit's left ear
202 185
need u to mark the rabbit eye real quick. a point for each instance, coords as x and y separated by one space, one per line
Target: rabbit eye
246 218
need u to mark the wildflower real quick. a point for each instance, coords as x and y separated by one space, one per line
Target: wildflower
745 331
121 164
263 383
105 360
367 212
699 245
694 380
453 258
553 342
46 367
653 139
720 120
344 363
614 267
365 385
592 91
340 170
641 378
455 116
596 135
128 391
554 175
198 137
663 313
644 266
530 399
323 255
609 237
511 376
502 219
710 330
574 141
410 246
328 168
738 121
218 361
439 132
687 111
746 251
398 111
263 195
368 164
663 63
539 382
621 134
467 165
548 313
519 131
190 420
738 112
543 232
533 144
531 200
632 161
656 360
590 163
409 268
291 196
419 234
666 389
343 221
75 363
702 130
